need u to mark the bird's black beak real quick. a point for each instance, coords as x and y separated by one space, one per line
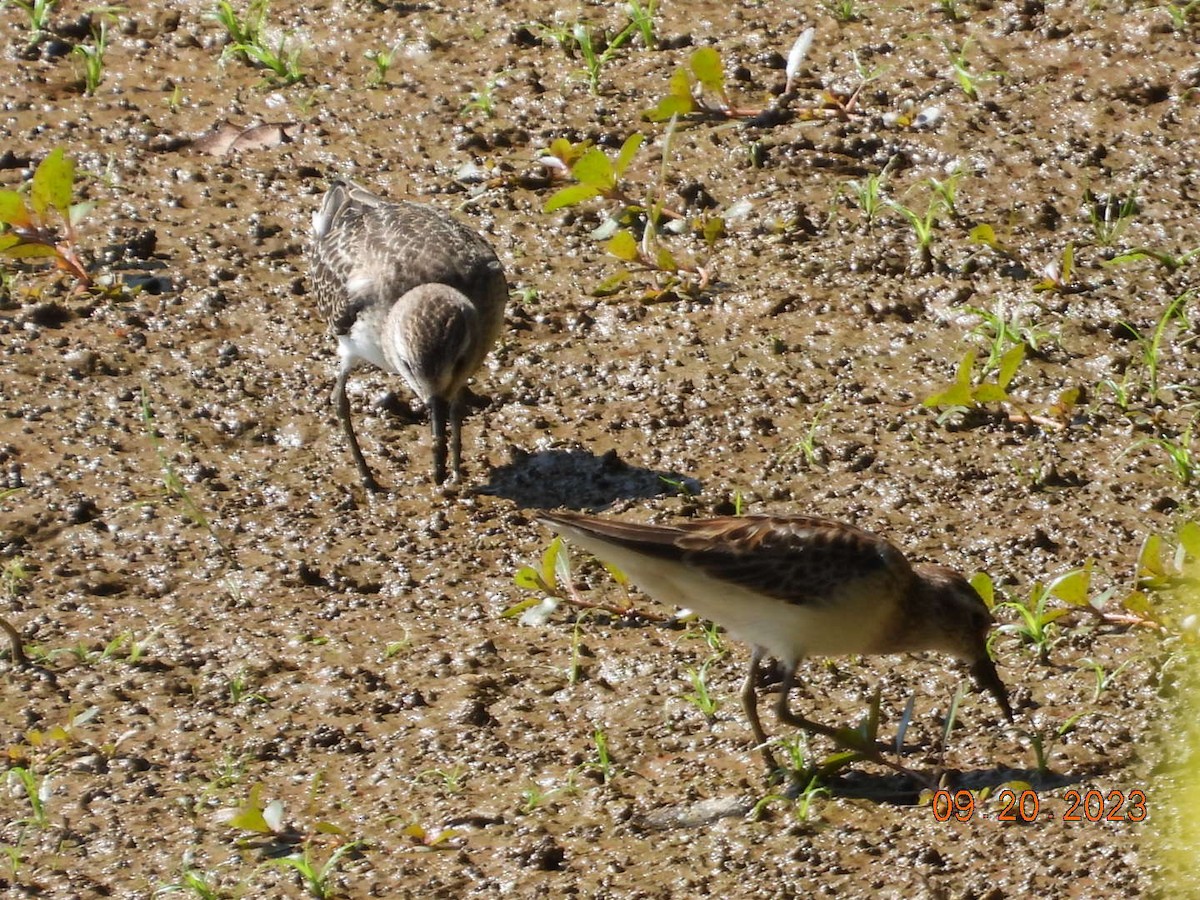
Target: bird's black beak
984 673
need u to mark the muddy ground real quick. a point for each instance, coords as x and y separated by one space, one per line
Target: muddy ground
238 657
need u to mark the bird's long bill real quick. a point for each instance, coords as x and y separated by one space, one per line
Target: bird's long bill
439 411
984 673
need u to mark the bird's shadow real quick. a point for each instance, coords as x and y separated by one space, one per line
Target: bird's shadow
579 479
897 789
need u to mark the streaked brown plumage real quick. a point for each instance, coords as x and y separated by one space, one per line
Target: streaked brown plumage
409 289
793 587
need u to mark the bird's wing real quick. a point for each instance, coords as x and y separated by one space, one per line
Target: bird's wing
799 559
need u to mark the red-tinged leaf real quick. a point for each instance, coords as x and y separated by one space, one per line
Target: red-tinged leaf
52 183
571 196
595 170
623 246
13 211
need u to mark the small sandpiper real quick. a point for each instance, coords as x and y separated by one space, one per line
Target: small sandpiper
797 586
406 288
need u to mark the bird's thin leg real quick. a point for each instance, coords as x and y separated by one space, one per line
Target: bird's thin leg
847 738
750 705
438 412
785 714
456 417
342 403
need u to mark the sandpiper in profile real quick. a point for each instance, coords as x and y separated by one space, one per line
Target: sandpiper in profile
795 586
410 290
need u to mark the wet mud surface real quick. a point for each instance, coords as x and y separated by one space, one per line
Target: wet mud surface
222 622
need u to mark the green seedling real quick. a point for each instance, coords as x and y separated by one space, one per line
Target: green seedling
843 10
1151 347
1110 216
1104 679
808 445
193 881
1181 13
483 101
244 31
923 225
1184 463
596 175
801 803
967 78
1038 618
452 779
317 877
93 58
1042 741
601 763
240 690
29 231
641 17
698 87
1059 276
37 15
947 189
37 791
868 193
1002 332
597 50
1168 577
700 696
950 9
973 392
382 60
1168 261
282 61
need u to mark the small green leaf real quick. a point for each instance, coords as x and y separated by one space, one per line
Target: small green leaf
571 196
12 210
1150 558
550 562
706 64
595 170
665 260
611 284
714 229
982 583
623 246
1189 539
1072 587
517 608
527 577
985 234
628 150
1009 363
328 828
1068 263
250 816
617 574
671 106
989 393
52 183
23 250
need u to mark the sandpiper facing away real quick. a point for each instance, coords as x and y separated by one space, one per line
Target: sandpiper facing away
795 586
410 290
